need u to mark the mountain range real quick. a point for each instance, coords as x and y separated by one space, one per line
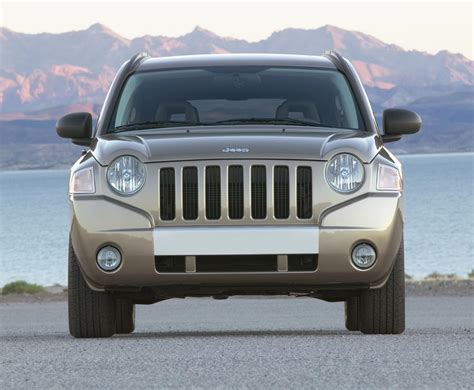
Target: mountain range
43 76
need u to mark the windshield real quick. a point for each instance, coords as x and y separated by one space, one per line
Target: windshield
236 96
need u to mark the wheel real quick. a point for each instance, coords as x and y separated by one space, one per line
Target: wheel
351 308
124 316
382 311
91 313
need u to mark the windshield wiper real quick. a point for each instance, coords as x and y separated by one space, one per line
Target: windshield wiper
271 121
155 125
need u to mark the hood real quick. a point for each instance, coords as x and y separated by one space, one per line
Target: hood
231 143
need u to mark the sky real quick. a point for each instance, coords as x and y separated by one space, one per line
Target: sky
426 25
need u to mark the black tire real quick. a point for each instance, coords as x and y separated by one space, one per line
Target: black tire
382 311
351 309
91 313
124 316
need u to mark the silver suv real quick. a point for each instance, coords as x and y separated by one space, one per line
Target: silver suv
222 175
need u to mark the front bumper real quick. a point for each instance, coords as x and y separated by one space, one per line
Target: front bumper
373 217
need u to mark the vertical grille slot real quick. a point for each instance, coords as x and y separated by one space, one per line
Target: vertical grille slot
190 193
259 192
281 192
213 192
304 193
167 194
236 191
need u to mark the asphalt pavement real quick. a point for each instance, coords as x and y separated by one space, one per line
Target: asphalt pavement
240 343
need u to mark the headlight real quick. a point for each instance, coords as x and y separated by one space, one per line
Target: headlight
82 182
126 175
345 173
388 179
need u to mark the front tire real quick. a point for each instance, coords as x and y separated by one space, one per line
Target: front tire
91 313
124 316
382 311
351 309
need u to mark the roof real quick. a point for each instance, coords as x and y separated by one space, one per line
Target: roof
151 63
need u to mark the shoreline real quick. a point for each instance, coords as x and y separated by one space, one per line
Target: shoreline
414 288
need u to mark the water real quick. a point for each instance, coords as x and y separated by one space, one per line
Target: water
439 214
439 218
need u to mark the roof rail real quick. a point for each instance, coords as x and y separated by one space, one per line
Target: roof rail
336 58
345 67
340 63
136 60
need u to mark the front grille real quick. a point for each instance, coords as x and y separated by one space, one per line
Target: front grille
237 192
302 262
167 194
213 192
190 193
236 263
170 263
282 192
304 193
259 192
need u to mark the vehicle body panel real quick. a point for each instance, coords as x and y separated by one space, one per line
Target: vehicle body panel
201 143
137 246
342 220
338 223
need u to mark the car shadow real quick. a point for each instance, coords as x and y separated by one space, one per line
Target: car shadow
185 334
236 333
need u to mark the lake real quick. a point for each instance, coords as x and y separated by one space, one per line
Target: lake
439 220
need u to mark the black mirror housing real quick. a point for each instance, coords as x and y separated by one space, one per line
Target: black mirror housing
398 122
77 127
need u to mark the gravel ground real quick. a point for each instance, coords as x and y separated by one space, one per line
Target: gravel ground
240 343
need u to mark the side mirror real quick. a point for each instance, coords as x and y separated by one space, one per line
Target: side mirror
398 122
77 127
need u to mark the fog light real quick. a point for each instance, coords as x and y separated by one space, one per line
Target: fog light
109 258
364 256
